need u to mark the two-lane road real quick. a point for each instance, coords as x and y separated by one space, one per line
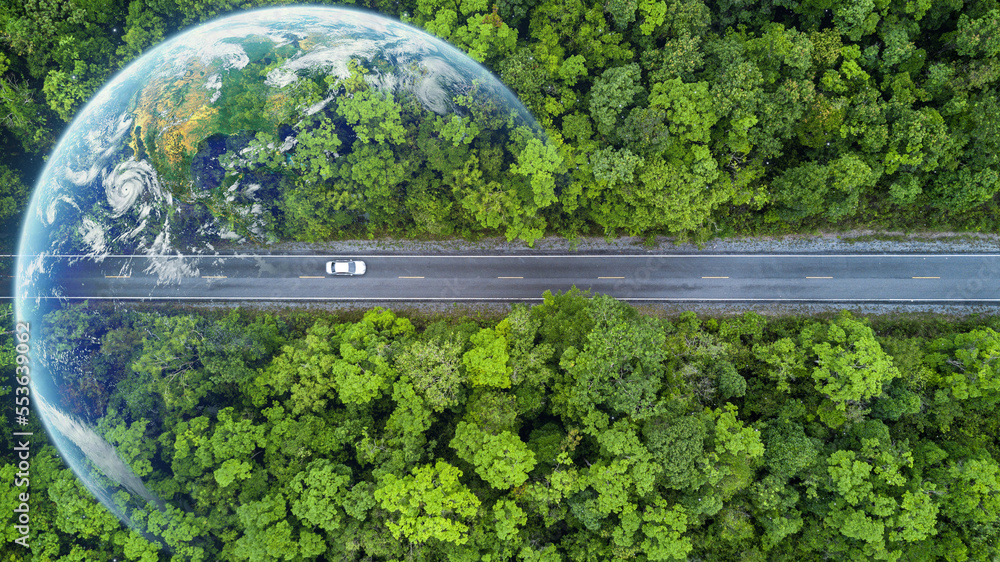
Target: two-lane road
900 278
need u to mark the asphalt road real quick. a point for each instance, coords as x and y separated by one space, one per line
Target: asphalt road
972 278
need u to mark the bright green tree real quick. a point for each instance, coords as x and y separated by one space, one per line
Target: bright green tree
486 362
664 527
429 503
502 460
850 364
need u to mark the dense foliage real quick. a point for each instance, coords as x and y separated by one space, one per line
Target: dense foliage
577 429
670 116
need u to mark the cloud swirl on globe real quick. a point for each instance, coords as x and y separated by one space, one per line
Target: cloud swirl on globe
127 182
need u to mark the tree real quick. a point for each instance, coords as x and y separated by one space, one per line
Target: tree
677 190
775 504
509 516
614 169
563 28
429 503
270 536
653 13
496 207
978 37
493 411
320 490
733 438
524 73
502 460
303 370
917 519
435 370
27 119
627 470
538 162
291 440
169 361
76 512
233 347
613 93
738 85
232 470
663 529
374 174
832 191
874 502
372 116
730 383
486 362
484 36
737 452
972 489
311 208
679 446
144 27
404 443
689 112
620 367
232 438
919 140
851 365
786 361
966 365
788 451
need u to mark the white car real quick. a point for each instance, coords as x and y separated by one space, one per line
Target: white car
345 267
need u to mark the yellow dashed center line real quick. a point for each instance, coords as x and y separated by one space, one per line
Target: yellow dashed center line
510 277
926 277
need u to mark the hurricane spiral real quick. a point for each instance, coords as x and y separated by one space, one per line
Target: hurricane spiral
127 182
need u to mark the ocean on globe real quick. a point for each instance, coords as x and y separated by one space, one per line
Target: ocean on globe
242 133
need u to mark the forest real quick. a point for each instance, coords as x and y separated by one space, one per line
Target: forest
693 118
576 429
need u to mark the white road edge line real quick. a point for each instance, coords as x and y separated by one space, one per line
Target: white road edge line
661 299
359 256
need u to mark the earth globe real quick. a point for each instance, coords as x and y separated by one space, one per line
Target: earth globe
239 134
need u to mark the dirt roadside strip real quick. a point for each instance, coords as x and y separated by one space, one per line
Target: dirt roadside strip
849 242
